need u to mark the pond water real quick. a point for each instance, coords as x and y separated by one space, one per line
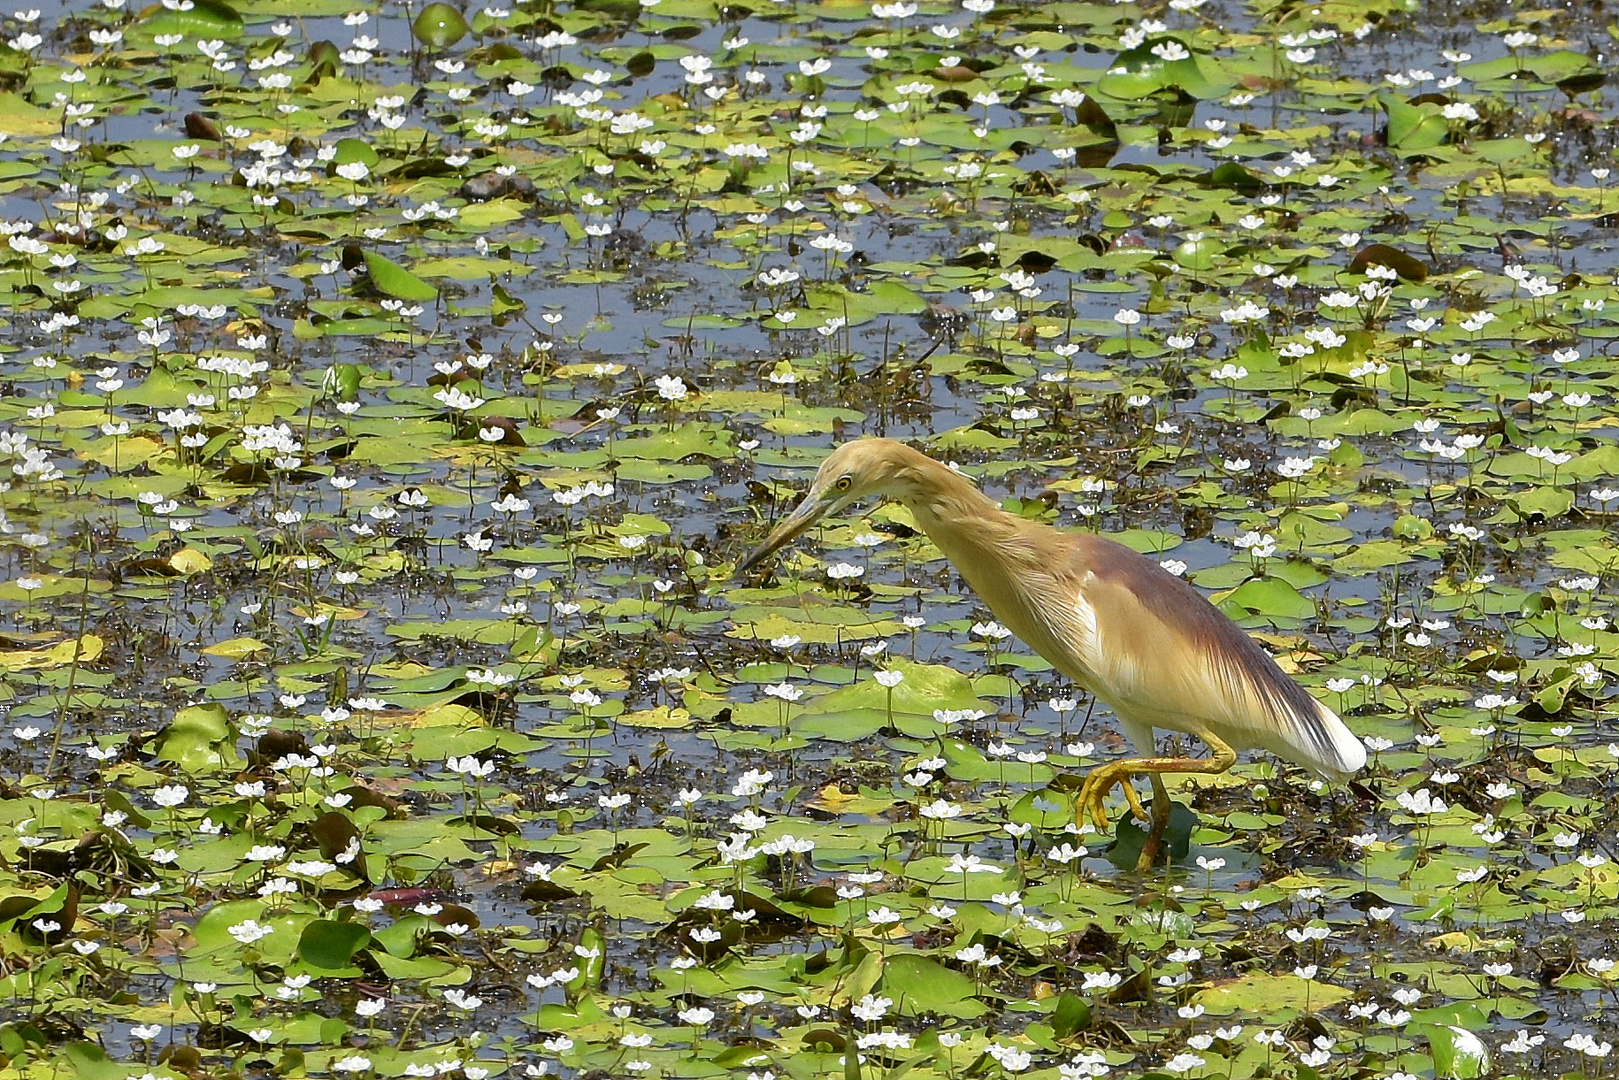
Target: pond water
388 408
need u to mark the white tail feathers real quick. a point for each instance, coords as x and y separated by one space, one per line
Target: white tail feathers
1344 754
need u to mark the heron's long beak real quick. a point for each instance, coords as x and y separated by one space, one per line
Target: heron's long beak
811 509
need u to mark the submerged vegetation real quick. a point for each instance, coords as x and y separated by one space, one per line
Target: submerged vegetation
389 392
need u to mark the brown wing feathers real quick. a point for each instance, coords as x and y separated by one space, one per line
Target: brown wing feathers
1242 667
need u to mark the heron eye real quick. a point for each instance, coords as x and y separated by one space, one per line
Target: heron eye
843 483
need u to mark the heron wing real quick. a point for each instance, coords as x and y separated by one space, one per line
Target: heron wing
1139 638
1169 657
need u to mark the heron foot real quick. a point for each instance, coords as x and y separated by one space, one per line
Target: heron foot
1101 779
1098 783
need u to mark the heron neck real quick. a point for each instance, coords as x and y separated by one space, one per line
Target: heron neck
953 512
1013 564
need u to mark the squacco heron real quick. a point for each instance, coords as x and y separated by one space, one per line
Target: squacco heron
1119 625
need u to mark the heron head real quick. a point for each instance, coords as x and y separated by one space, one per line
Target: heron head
854 471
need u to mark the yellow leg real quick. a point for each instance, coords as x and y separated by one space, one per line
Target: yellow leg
1161 810
1101 779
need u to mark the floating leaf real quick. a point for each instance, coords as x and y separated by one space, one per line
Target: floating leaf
921 985
1144 70
1267 598
1281 997
75 651
197 18
331 944
20 117
1071 1016
396 281
659 716
1415 128
1458 1054
355 151
439 26
1383 255
198 738
833 800
236 648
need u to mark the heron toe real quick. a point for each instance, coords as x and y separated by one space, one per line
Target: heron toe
1098 782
